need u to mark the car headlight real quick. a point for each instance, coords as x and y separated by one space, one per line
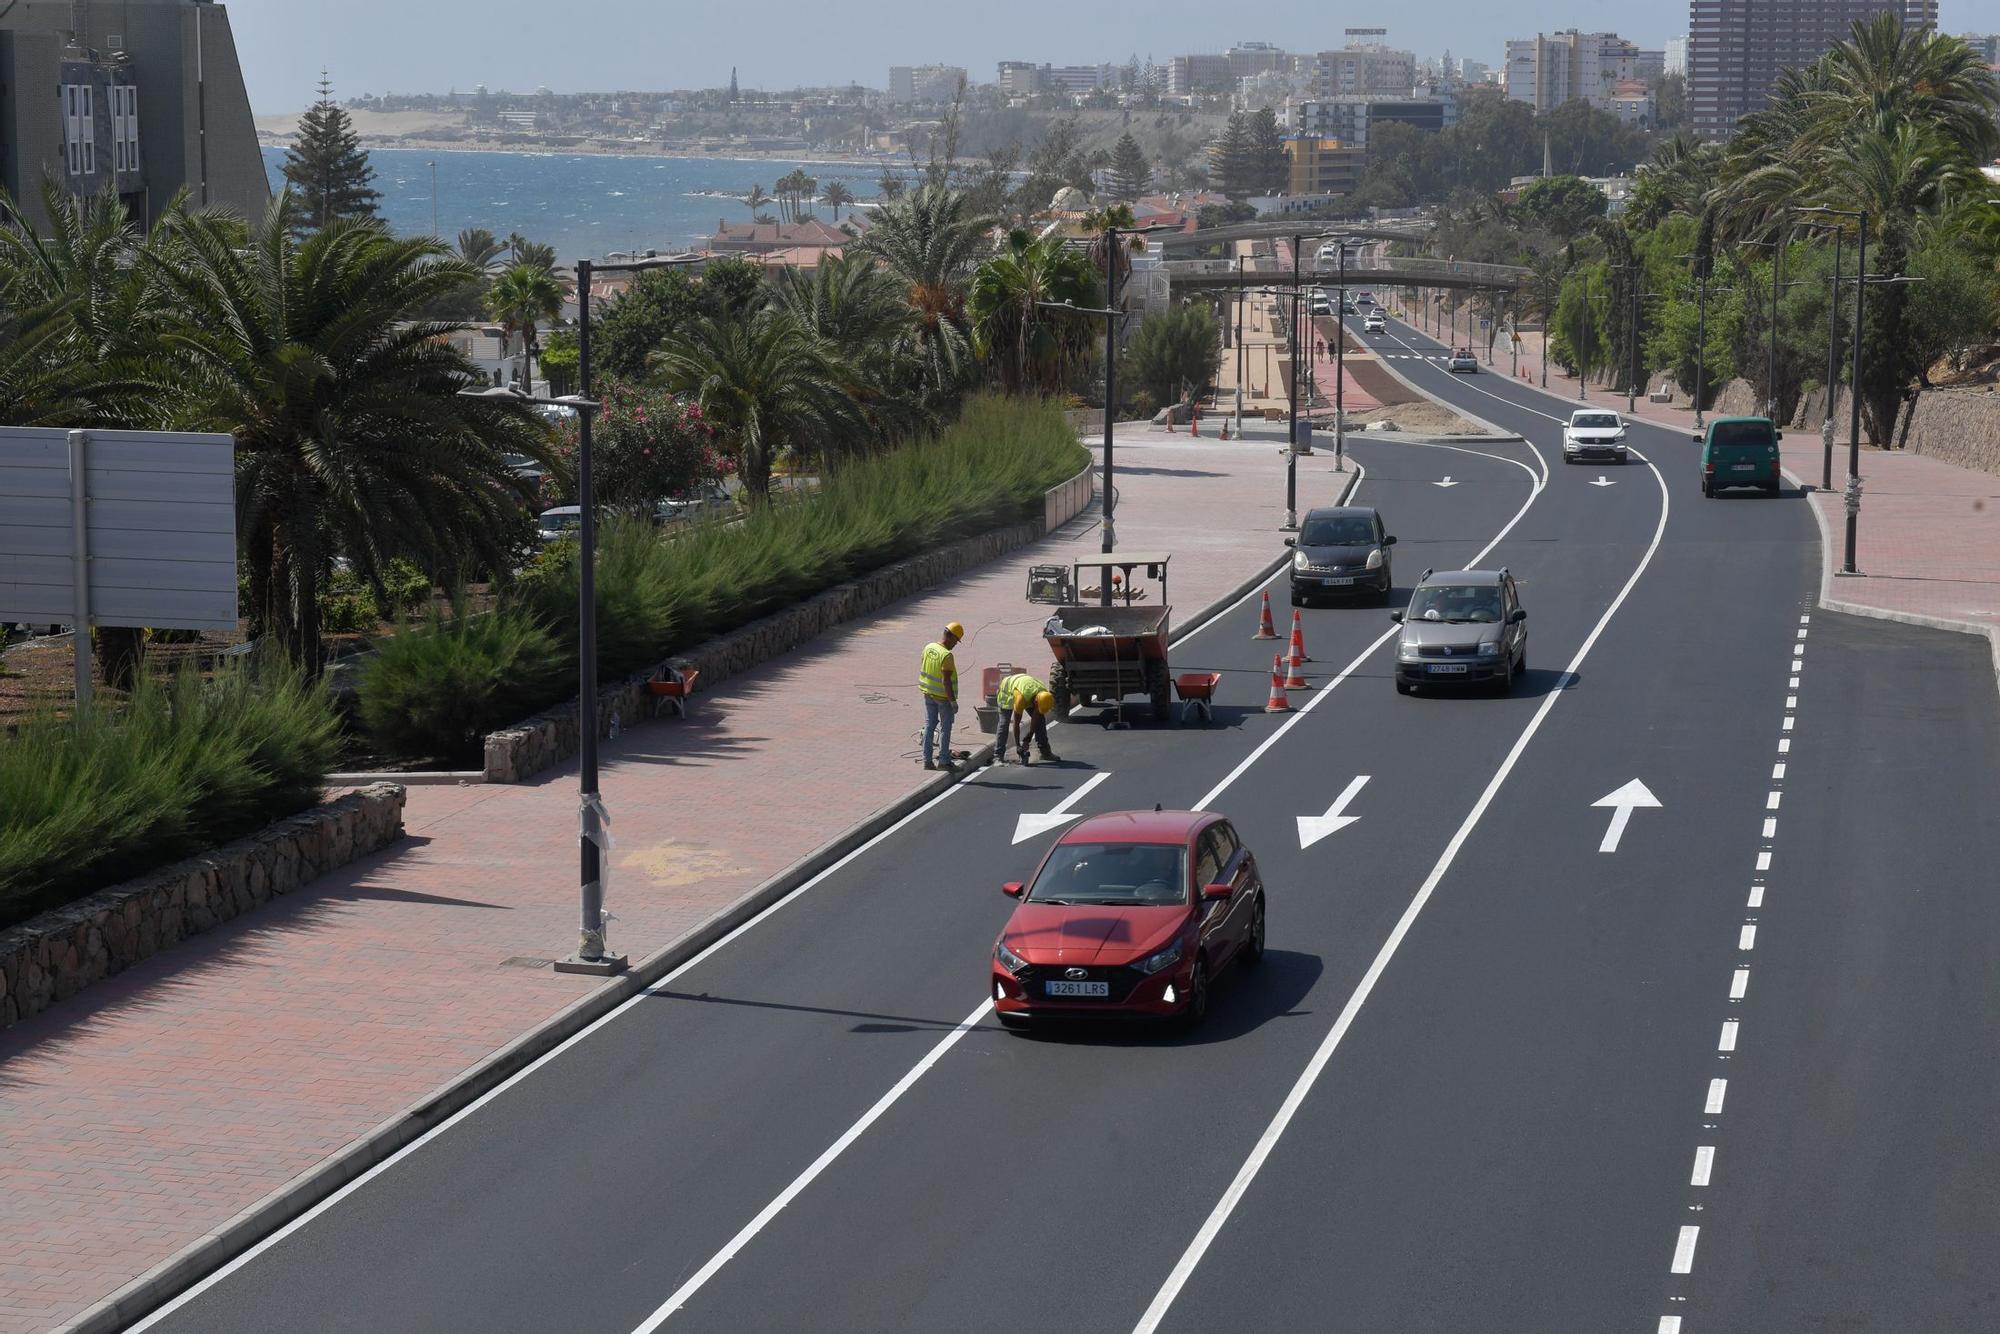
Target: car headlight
1166 958
1375 559
1299 561
1489 648
1406 653
1009 960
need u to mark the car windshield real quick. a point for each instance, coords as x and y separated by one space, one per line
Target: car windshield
1339 530
1595 420
561 523
1741 433
1456 602
1113 873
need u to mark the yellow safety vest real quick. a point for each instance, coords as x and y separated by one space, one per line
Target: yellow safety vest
935 670
1018 690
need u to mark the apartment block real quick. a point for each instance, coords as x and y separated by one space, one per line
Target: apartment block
1737 47
144 97
1187 75
1677 56
1349 119
1364 69
1549 69
1323 166
924 83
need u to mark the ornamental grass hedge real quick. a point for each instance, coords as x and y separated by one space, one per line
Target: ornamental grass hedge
182 765
657 596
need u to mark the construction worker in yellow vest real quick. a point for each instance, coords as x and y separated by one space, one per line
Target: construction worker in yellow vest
937 678
1024 705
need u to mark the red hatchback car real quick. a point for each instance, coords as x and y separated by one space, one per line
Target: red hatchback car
1130 914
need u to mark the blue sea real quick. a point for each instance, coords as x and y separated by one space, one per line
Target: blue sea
585 206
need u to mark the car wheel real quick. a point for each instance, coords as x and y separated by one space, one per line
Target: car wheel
1195 1009
1706 489
1772 489
1253 946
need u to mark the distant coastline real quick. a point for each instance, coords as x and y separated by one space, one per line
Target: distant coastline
599 149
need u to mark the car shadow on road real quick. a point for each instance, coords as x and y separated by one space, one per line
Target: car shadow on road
870 1021
1245 999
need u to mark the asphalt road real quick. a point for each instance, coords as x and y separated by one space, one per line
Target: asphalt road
1489 1077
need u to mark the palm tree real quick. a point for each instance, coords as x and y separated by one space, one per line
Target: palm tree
481 249
521 300
856 312
837 197
756 201
1032 348
930 239
351 435
764 382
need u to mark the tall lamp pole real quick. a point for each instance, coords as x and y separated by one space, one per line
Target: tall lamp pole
1832 359
1854 386
1240 302
1110 313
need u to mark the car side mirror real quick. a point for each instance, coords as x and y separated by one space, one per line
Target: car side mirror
1777 435
1221 889
1396 616
1520 614
1291 541
1696 437
1389 541
1012 889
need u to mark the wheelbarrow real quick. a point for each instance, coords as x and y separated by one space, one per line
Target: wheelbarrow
1197 692
672 689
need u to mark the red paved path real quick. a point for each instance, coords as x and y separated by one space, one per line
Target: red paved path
154 1107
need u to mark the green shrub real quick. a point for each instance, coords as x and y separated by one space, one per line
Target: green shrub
656 596
185 764
435 690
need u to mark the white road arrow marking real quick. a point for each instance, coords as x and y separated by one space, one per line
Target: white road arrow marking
1027 826
1622 803
1446 482
1313 828
1602 480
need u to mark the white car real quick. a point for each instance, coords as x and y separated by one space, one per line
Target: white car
1462 362
1375 323
1594 433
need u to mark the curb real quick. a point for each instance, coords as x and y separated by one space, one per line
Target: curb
198 1260
1923 620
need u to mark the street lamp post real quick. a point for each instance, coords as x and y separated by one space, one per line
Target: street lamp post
1582 351
1240 303
1832 360
1701 266
1854 377
1777 249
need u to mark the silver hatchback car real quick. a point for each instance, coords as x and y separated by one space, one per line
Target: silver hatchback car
1462 627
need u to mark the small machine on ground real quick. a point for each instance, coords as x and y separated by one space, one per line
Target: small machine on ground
1107 653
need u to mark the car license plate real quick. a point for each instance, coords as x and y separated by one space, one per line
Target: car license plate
1743 467
1446 668
1345 579
1078 988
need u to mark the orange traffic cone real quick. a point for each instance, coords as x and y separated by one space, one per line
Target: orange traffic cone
1298 638
1277 703
1265 630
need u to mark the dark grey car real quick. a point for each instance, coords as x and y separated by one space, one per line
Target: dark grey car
1462 627
1341 550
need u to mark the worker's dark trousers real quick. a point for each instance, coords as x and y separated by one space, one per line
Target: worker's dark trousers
1034 724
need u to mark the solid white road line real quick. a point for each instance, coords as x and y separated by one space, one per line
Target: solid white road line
1704 1164
1746 939
1211 1227
805 1178
1727 1042
1684 1250
330 1201
1535 490
1718 1089
1739 983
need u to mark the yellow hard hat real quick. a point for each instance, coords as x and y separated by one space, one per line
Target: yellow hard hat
1044 702
955 629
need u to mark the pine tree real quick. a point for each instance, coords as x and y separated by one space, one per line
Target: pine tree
327 166
1269 170
1231 160
732 85
1130 172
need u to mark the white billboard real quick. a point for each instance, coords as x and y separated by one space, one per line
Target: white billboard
150 516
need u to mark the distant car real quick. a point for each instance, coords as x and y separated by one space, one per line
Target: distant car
1349 308
712 499
1364 298
1131 914
1739 451
1594 433
553 525
1375 323
1462 627
1341 549
1463 362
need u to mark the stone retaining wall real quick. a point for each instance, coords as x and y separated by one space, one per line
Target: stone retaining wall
54 956
516 754
1956 426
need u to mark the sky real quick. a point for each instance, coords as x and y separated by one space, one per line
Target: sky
382 46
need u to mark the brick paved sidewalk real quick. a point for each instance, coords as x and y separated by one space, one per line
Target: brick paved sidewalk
1928 539
154 1107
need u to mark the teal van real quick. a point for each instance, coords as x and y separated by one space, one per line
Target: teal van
1739 451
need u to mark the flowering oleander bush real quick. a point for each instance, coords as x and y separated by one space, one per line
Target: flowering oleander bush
646 446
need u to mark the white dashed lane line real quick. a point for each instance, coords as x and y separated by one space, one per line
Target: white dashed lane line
1739 982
